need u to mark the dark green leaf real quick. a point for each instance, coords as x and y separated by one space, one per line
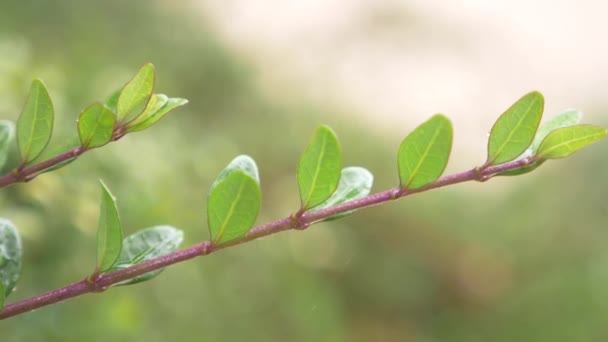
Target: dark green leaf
148 244
10 255
35 124
135 94
234 201
319 168
424 153
96 126
7 134
355 183
563 142
109 232
151 114
514 130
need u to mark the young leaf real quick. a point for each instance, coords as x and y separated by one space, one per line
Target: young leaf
35 124
523 170
109 232
135 94
7 134
424 153
514 130
112 101
319 168
10 255
564 119
150 116
355 182
562 142
147 244
234 201
96 126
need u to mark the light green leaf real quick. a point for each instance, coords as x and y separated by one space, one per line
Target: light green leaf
109 232
150 116
514 130
112 101
563 142
234 201
135 94
424 153
319 168
355 183
564 119
96 126
7 134
147 244
10 255
35 124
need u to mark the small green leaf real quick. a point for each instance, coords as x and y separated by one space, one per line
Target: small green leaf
563 142
147 244
319 168
424 153
514 130
150 116
112 101
35 124
564 119
135 94
523 170
234 201
96 126
355 182
109 232
10 255
7 134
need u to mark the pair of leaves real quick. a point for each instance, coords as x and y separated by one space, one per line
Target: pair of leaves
10 258
114 253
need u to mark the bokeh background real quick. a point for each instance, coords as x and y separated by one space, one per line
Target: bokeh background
514 259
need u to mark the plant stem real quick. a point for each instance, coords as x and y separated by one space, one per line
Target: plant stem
104 281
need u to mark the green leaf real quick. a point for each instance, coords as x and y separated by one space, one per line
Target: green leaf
522 170
109 232
35 124
10 255
355 182
147 244
7 134
424 153
112 101
151 115
135 94
319 168
514 130
564 119
96 126
563 142
234 201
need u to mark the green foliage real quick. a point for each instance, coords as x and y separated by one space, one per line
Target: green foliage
135 94
109 232
514 130
564 119
424 153
319 168
35 124
147 244
157 108
96 126
7 134
234 200
564 141
10 256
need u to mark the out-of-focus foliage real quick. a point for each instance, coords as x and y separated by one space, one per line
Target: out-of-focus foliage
525 260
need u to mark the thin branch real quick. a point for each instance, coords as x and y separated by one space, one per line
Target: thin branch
104 281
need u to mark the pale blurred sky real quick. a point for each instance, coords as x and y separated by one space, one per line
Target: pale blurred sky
395 63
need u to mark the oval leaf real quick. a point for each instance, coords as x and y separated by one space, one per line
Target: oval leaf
150 117
147 244
96 126
7 134
135 94
355 182
234 201
319 168
111 102
562 142
514 130
109 232
564 119
10 256
424 153
35 124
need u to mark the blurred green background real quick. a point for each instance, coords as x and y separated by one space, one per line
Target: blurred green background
525 259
